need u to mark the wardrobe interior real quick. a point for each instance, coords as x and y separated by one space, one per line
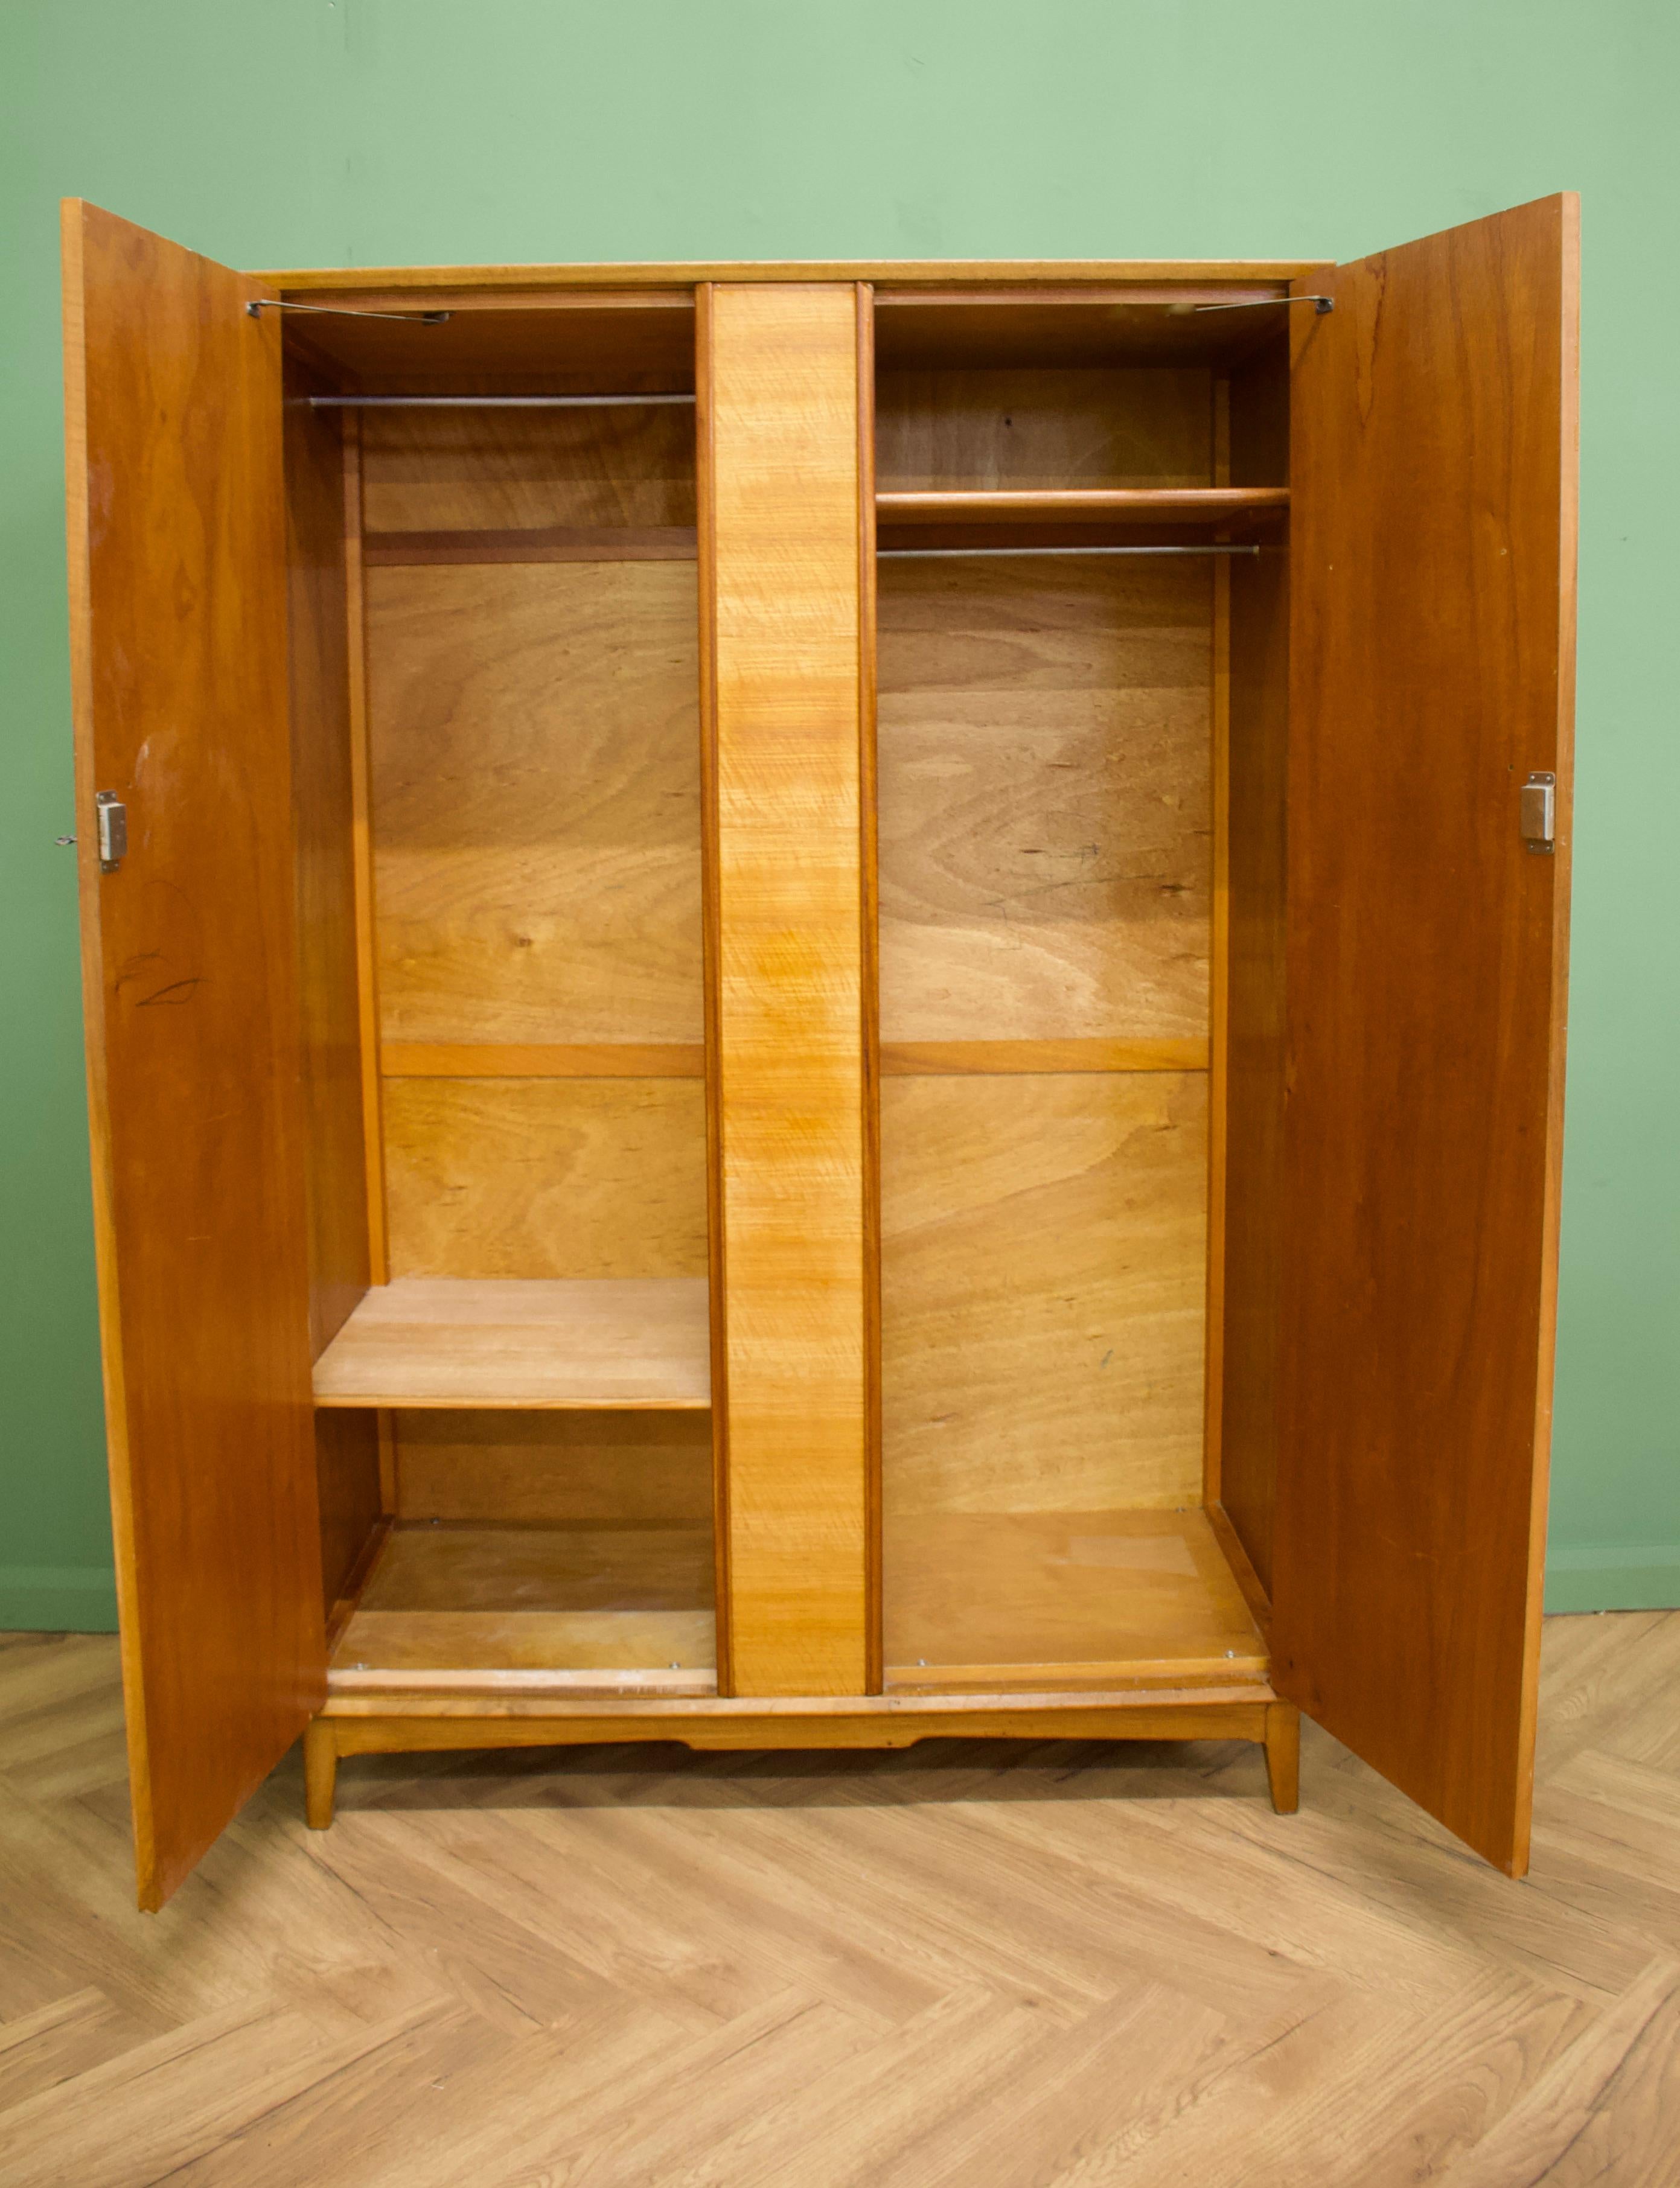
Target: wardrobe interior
1080 760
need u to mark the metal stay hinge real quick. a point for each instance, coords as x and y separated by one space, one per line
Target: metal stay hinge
112 817
1539 809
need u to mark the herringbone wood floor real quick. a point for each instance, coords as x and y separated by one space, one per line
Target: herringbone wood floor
996 1966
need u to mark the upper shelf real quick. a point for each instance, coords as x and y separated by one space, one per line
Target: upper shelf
1185 505
570 1342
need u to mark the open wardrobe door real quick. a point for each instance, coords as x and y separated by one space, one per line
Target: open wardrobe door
1434 436
177 605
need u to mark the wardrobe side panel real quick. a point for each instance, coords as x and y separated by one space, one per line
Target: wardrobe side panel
321 760
319 544
781 470
1253 1152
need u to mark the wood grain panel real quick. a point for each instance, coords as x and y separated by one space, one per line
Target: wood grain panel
635 1468
1036 1599
325 755
1042 428
323 801
1434 451
1254 1087
1045 807
361 857
546 1177
584 1345
390 1722
536 795
710 880
1042 1279
781 377
514 469
177 567
1219 990
352 1506
869 976
1258 411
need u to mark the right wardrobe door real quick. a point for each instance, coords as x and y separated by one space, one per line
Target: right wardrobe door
1434 433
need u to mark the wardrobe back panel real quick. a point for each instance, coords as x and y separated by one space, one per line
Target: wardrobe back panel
1045 814
536 794
1031 427
1045 795
467 470
1043 1255
555 1469
546 1177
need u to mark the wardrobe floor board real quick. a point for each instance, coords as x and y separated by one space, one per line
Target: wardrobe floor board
515 1605
1000 1600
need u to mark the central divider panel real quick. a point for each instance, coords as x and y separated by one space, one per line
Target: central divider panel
782 621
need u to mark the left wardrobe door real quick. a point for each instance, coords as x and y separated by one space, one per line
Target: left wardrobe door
178 642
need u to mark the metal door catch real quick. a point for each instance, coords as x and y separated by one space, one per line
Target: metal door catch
1540 812
112 815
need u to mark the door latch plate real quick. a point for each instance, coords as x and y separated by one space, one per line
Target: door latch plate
1540 812
112 816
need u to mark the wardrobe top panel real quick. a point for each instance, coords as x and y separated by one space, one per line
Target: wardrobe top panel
631 328
934 272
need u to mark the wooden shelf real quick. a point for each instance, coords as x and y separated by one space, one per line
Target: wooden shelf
465 1608
1171 505
612 1342
994 1602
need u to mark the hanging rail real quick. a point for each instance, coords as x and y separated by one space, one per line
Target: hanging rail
1265 303
258 305
928 553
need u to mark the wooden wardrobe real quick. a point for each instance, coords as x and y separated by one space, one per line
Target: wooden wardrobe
825 1002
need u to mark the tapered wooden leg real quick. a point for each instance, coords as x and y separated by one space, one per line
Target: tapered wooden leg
320 1773
1283 1756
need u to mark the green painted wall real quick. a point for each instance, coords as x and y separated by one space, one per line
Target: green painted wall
347 131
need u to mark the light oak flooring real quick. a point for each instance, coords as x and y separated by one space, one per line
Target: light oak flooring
997 1965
